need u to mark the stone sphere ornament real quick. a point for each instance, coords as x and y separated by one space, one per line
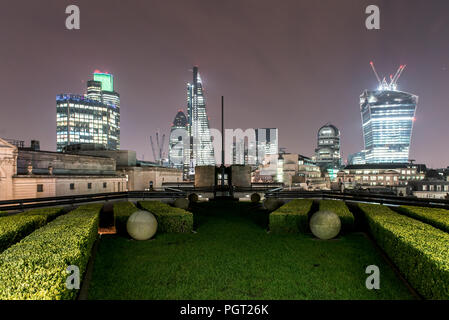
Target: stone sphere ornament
255 198
181 203
193 197
141 225
325 225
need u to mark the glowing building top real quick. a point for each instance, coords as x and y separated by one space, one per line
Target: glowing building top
106 79
387 117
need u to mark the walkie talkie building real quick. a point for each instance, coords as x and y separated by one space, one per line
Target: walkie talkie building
387 117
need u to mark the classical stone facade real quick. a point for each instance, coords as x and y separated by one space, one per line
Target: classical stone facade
28 174
8 169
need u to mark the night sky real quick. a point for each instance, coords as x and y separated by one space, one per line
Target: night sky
290 64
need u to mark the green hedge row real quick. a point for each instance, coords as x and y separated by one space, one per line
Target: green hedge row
439 218
340 208
122 211
169 219
35 268
16 227
291 217
420 251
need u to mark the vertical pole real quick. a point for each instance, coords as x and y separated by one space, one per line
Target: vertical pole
222 142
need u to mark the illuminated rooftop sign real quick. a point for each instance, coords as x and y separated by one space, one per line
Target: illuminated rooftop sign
106 79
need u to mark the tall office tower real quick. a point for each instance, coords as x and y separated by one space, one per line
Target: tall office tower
267 143
176 155
92 118
327 153
201 149
387 118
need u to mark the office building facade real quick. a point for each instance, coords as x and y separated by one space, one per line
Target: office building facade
327 153
267 143
92 118
387 118
177 153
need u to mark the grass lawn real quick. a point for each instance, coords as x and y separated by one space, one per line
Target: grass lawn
233 257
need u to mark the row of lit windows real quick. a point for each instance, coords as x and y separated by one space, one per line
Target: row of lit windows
438 187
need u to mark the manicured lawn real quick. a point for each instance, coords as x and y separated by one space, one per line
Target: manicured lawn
233 257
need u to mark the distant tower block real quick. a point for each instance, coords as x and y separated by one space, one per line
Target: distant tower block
387 117
327 153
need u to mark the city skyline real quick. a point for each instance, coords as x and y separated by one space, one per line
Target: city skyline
295 85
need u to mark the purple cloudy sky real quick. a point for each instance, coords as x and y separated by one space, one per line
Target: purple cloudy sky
289 64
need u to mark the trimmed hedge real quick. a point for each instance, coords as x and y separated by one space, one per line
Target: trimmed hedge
439 218
122 211
292 217
35 268
169 219
420 251
16 227
340 208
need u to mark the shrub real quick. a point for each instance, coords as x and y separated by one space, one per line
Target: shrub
171 220
420 251
122 211
291 217
16 227
272 204
439 218
342 211
35 268
255 198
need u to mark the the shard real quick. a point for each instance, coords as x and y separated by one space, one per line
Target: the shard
201 149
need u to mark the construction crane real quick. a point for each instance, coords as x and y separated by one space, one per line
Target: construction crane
158 156
383 84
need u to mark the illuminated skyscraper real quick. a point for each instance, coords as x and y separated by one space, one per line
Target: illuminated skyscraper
327 153
177 156
267 143
92 118
201 149
387 118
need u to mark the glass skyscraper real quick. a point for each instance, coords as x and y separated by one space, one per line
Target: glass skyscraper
201 149
267 143
176 155
92 118
387 117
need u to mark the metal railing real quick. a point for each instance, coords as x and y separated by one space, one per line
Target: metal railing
21 204
360 197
